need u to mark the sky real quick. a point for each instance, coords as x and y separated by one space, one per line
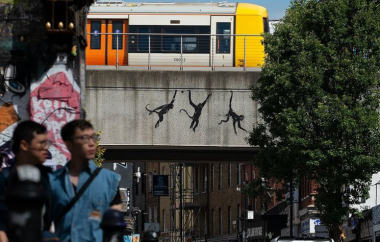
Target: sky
276 8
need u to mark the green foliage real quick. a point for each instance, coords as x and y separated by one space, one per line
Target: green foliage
319 101
99 152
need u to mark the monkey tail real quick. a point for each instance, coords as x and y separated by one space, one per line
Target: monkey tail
150 111
186 113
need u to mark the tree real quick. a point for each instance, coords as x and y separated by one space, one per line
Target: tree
318 98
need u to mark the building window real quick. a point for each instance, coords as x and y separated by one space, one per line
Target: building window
164 220
229 220
173 43
223 42
213 222
163 170
220 175
238 168
95 42
172 223
143 40
212 177
205 225
205 179
150 212
238 217
143 182
220 222
229 174
196 174
150 181
117 39
155 213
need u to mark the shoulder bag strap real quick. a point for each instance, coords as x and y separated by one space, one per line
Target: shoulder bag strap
79 194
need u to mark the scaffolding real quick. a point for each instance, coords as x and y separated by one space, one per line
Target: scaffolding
188 201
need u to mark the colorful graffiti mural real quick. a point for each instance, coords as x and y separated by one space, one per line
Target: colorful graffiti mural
38 74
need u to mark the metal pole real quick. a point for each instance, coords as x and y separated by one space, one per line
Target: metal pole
181 68
376 194
291 206
149 68
117 52
212 53
245 52
180 204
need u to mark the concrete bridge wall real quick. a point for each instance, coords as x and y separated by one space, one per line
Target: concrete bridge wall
117 103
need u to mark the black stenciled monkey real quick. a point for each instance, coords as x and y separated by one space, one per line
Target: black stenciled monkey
163 109
234 116
197 111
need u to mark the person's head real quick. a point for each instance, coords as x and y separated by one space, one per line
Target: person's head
31 142
80 139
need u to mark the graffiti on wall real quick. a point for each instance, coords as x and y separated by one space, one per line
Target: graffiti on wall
54 101
235 117
161 110
231 114
197 111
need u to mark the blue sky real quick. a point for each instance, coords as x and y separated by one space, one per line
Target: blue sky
276 8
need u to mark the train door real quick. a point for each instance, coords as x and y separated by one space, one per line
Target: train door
117 43
222 46
96 52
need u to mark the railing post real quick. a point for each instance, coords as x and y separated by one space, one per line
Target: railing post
149 67
212 53
181 68
117 51
245 56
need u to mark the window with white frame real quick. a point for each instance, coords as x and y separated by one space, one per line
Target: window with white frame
220 176
212 177
229 174
238 168
220 222
164 220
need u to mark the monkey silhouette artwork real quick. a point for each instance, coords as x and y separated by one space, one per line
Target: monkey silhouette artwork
235 118
197 111
161 110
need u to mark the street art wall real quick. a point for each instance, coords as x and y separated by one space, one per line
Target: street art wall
171 108
39 71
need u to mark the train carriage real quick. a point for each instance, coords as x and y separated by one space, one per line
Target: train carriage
176 34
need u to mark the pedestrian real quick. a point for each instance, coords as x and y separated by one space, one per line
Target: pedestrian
82 192
30 146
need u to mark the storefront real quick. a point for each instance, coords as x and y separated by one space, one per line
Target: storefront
256 231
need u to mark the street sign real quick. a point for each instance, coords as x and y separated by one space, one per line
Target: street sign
160 185
250 214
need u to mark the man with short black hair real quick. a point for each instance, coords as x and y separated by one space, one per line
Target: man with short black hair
81 222
30 146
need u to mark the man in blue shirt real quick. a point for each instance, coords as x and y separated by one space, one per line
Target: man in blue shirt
82 222
30 145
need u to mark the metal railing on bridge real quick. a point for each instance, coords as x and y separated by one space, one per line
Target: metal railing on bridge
147 51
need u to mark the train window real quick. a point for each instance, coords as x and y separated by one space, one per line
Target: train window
266 25
95 42
173 43
143 40
117 27
223 42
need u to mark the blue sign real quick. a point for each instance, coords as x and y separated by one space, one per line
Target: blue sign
160 185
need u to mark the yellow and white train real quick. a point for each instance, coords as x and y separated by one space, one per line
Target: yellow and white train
173 34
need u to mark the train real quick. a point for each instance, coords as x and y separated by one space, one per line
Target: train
218 34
